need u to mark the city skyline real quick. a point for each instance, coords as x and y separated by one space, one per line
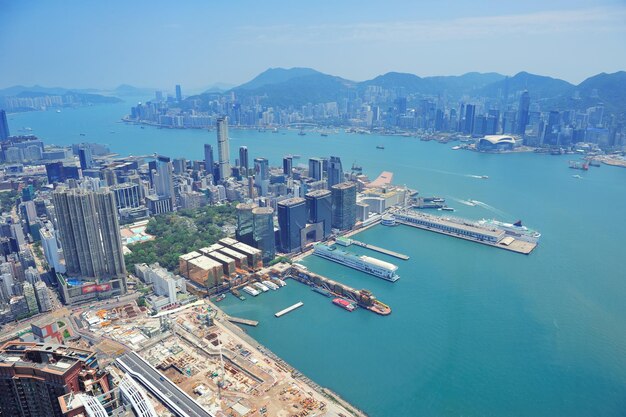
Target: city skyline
559 39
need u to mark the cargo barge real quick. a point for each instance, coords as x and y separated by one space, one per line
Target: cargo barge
345 304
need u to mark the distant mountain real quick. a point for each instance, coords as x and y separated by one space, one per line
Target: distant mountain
607 89
218 88
125 90
276 76
539 86
17 89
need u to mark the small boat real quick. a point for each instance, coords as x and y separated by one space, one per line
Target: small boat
577 176
484 177
242 298
456 148
446 208
380 147
324 134
82 134
220 297
58 111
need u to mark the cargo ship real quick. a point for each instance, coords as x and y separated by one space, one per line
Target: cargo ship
367 264
251 291
346 305
515 230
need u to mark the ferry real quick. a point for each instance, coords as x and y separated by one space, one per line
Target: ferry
260 286
446 208
324 134
515 230
220 297
380 147
281 282
251 291
367 264
270 285
456 148
346 305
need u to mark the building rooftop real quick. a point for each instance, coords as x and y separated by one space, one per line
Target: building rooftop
189 256
50 357
205 263
343 185
263 210
318 193
290 202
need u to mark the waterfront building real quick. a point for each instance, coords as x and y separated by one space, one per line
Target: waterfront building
496 143
319 208
522 113
292 217
34 376
243 160
4 125
470 114
288 166
261 175
85 157
316 168
335 171
89 232
344 205
223 149
263 234
245 223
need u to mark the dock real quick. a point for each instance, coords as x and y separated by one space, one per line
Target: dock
380 250
289 309
239 320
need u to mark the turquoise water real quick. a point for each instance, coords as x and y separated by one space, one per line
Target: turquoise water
475 331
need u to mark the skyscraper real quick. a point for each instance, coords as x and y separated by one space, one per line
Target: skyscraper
319 208
89 232
335 171
344 205
287 165
4 125
470 111
243 160
179 94
263 233
291 220
163 179
84 155
208 158
261 175
316 168
522 113
245 224
223 149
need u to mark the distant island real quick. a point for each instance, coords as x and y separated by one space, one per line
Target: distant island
23 99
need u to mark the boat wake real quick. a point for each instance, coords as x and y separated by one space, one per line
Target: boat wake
490 208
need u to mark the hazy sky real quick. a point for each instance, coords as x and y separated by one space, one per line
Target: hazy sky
101 44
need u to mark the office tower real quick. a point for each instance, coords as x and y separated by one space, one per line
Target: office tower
223 149
287 165
470 111
522 113
316 168
261 175
243 160
127 195
43 297
163 179
84 155
319 208
335 171
344 205
245 223
208 158
50 247
263 234
291 220
89 232
40 374
180 165
551 136
179 93
4 125
31 300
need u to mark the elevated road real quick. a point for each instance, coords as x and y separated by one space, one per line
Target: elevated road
181 404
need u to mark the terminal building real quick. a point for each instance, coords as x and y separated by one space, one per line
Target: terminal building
496 143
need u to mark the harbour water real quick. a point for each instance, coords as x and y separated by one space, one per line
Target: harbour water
475 331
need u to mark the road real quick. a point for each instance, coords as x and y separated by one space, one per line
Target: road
176 400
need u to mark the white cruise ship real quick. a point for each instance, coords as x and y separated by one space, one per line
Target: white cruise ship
260 286
516 230
251 291
367 264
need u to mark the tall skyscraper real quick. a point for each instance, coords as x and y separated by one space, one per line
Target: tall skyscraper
287 165
261 175
245 223
316 168
344 205
319 208
208 158
4 125
243 160
335 171
470 113
223 149
522 113
84 155
179 94
263 233
163 179
89 232
291 220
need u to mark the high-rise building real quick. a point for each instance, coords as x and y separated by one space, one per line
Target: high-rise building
85 157
208 158
43 297
522 113
38 374
344 205
320 209
51 248
89 232
245 223
335 171
31 299
127 195
4 125
179 93
223 149
287 165
291 220
263 234
261 175
470 114
243 160
163 178
316 168
180 165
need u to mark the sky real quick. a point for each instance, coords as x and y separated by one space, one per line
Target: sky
157 44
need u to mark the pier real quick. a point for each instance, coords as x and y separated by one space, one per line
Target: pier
379 249
239 320
289 309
